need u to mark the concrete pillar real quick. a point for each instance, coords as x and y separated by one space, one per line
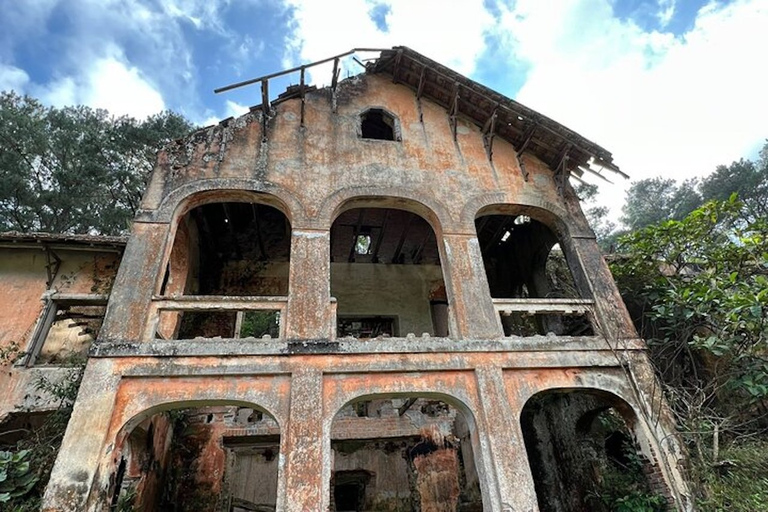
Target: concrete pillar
72 477
131 294
609 306
469 297
500 424
303 446
309 289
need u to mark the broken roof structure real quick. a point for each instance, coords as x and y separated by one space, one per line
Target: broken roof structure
497 115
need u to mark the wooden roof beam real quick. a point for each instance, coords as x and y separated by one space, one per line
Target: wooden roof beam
527 138
380 238
264 107
489 132
454 111
303 99
396 67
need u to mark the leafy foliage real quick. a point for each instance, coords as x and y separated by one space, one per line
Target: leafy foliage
75 169
739 481
16 475
698 289
653 200
37 451
622 486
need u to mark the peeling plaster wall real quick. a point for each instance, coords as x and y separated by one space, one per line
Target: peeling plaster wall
22 281
22 301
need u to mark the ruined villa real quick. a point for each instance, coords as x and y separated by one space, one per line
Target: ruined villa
378 295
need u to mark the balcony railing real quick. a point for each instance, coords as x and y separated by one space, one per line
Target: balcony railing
242 307
549 308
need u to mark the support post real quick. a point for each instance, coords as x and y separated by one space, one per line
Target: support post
264 107
308 314
500 422
303 99
454 112
304 478
489 133
75 469
474 316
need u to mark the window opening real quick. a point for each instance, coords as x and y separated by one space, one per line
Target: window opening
349 490
386 275
363 245
227 250
66 330
523 260
377 124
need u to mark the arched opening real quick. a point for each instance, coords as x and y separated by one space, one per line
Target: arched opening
584 454
386 275
530 278
407 452
227 251
378 124
210 458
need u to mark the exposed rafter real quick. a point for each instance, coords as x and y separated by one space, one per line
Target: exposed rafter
453 113
446 87
489 132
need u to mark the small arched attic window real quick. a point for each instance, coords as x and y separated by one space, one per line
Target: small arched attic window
378 124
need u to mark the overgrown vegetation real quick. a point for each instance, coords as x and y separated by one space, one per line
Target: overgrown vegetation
26 465
698 290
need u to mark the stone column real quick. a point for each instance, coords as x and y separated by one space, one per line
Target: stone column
131 294
505 445
309 288
469 297
72 478
303 446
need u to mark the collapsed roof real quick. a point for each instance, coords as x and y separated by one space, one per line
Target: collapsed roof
498 116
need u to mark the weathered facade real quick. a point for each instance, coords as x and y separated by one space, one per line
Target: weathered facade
379 295
53 292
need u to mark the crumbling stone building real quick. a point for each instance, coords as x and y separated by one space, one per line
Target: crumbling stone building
377 295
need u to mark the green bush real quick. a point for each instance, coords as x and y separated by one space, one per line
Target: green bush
16 475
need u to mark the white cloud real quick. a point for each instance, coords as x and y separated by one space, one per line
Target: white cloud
666 11
120 54
108 82
121 89
664 105
12 78
449 32
234 109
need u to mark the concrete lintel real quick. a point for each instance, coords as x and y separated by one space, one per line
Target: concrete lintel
246 347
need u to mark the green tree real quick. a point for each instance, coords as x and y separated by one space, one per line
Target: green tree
75 169
698 291
596 215
746 178
653 200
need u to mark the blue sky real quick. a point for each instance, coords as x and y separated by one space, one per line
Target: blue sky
671 87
